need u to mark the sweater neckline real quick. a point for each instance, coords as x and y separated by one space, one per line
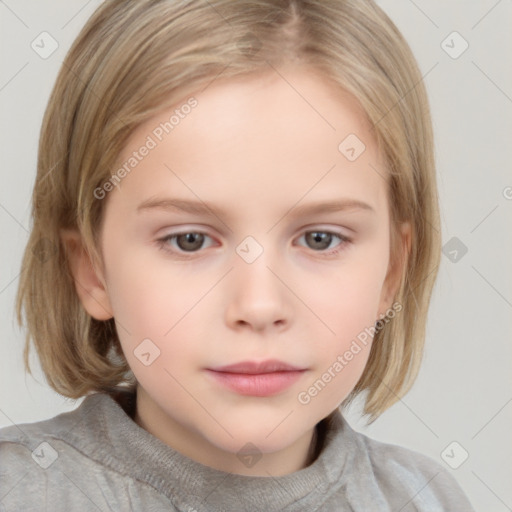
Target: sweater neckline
111 437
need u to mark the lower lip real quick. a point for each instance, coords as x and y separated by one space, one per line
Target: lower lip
261 384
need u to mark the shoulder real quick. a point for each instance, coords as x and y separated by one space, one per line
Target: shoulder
27 435
27 450
62 464
24 455
40 443
409 462
21 441
37 459
416 481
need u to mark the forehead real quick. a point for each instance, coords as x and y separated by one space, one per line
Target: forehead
264 139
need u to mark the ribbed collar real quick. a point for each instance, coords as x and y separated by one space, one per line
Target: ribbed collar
105 432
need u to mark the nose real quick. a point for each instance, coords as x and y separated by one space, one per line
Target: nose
257 298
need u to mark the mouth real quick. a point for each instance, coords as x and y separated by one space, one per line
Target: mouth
255 367
265 378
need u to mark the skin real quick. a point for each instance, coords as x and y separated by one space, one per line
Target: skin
259 149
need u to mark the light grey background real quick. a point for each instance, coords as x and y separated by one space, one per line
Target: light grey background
464 391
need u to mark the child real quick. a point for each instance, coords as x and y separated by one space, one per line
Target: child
292 139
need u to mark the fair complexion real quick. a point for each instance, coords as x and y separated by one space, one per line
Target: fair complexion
259 153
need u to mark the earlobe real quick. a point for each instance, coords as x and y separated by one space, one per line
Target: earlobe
89 282
397 268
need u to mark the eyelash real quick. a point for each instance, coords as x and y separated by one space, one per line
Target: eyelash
163 243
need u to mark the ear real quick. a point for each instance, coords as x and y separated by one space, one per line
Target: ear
397 267
89 281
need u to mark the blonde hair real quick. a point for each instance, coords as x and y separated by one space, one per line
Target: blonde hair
134 58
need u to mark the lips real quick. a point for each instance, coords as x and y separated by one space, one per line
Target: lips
254 378
254 367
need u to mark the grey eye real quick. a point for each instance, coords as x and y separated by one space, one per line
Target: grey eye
318 239
189 241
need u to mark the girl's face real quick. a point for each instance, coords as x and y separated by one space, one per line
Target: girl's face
253 227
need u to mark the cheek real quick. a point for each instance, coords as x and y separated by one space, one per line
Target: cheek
151 297
357 307
348 304
156 318
349 296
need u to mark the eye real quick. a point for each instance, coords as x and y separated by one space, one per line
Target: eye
193 241
321 241
187 242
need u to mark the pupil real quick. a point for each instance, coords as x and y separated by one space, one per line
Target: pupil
191 241
324 239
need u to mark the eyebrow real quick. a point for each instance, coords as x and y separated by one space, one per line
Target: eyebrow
203 208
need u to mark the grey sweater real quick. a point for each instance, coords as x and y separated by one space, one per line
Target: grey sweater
96 458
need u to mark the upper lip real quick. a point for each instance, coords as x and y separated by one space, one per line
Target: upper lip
255 367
